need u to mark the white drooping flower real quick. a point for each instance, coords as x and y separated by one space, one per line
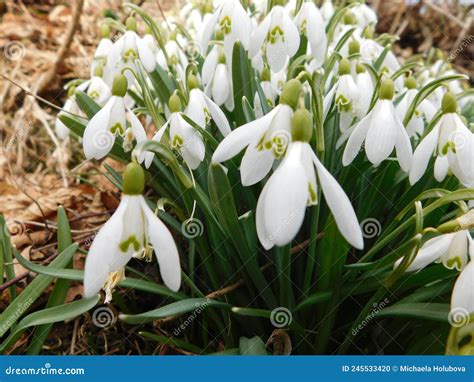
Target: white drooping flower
293 186
127 234
110 122
128 48
311 24
382 131
70 107
264 139
98 90
462 297
453 144
217 79
451 249
424 112
364 15
327 10
103 49
201 109
269 85
231 21
182 136
176 59
347 94
279 37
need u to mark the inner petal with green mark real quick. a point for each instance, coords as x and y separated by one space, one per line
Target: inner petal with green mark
130 54
454 262
343 104
177 141
117 129
226 25
275 34
313 196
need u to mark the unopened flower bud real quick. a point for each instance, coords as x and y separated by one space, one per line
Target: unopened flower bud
449 103
174 103
386 89
349 18
266 74
410 82
105 30
344 67
193 82
131 24
98 71
463 222
354 47
291 93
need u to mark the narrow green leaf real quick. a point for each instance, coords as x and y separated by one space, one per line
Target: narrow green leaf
173 342
87 104
242 81
428 311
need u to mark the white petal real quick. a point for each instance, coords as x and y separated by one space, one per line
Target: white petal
441 168
422 155
463 291
292 36
147 58
256 164
138 132
209 66
431 251
402 144
259 36
102 252
285 202
267 240
381 134
356 139
340 206
220 85
218 116
165 249
276 55
97 140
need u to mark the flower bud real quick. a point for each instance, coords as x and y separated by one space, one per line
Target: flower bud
120 85
354 47
301 126
131 24
98 71
410 82
463 222
386 89
105 30
449 103
133 179
368 33
291 93
349 18
266 74
71 91
344 67
360 68
174 103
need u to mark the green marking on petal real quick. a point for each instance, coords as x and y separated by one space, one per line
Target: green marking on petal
275 34
177 142
130 54
226 25
131 241
117 129
313 196
454 262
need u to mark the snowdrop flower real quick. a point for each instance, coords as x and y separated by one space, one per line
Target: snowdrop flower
183 137
451 249
70 107
127 234
311 24
126 50
382 131
462 297
265 139
97 89
201 109
453 144
293 186
217 79
425 111
103 49
364 15
270 90
232 22
347 94
281 36
177 59
110 121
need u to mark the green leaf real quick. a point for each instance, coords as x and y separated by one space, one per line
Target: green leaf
252 346
6 262
87 104
29 295
58 295
173 342
242 79
196 305
428 311
49 316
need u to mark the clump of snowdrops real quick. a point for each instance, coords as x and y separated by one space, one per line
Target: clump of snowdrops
295 183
